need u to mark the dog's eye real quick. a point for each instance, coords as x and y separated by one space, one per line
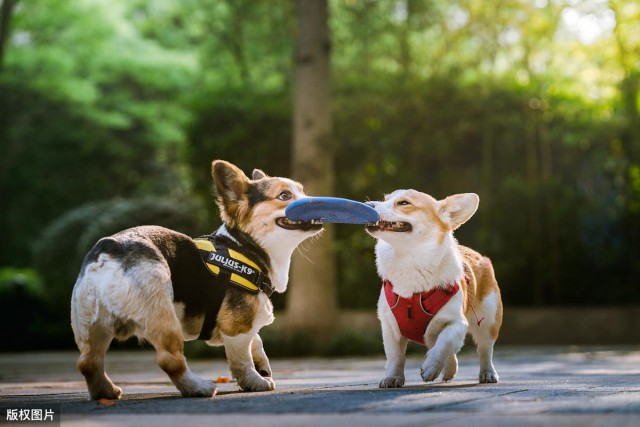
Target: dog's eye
404 203
284 196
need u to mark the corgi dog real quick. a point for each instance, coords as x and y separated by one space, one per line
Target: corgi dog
166 288
434 290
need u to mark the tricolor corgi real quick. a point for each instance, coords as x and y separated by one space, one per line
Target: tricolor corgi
165 287
434 290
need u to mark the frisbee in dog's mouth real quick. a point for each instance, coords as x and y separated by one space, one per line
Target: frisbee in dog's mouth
395 226
287 224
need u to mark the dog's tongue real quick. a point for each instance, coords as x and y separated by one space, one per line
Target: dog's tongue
331 209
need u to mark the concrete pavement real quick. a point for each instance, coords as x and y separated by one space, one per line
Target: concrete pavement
540 386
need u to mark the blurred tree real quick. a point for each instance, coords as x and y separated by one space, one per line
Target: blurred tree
312 298
6 10
94 98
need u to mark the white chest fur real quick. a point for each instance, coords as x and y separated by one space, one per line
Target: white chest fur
419 268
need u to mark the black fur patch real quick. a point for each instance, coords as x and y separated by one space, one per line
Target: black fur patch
257 193
127 250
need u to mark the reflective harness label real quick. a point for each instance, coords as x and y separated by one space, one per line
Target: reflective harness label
230 263
244 272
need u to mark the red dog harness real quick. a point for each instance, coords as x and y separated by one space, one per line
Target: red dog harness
414 314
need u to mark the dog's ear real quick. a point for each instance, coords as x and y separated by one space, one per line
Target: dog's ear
258 174
232 186
457 209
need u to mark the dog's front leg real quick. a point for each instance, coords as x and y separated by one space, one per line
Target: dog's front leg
239 355
395 348
260 359
448 342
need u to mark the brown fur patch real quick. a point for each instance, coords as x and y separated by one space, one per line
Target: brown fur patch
172 363
420 204
231 189
483 283
495 329
169 354
428 206
237 313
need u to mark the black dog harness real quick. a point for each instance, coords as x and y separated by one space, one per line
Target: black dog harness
229 267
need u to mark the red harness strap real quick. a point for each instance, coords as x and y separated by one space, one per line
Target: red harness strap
414 314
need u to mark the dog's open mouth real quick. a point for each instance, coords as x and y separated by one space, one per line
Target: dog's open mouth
396 226
287 224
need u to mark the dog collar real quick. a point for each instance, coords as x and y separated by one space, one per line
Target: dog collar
244 272
414 314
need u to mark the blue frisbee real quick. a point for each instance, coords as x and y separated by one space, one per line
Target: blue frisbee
331 209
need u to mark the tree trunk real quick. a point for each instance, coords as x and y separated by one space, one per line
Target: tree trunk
552 227
486 181
312 299
535 227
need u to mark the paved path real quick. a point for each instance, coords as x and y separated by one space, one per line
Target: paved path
539 387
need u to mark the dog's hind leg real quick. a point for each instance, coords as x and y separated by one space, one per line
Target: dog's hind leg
260 359
168 342
485 335
148 301
488 373
164 332
93 344
484 346
93 337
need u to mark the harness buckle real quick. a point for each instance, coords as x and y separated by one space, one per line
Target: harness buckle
259 279
264 284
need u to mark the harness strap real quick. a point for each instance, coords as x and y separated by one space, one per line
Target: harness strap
210 317
229 267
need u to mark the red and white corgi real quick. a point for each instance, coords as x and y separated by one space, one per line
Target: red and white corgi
434 290
165 287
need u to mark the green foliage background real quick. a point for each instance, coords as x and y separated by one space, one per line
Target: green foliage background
111 111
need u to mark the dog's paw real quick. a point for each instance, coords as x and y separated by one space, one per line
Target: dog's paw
448 376
104 389
429 370
392 382
208 389
192 386
111 392
116 393
488 377
252 381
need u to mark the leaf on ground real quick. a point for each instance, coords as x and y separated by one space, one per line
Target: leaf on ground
106 402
